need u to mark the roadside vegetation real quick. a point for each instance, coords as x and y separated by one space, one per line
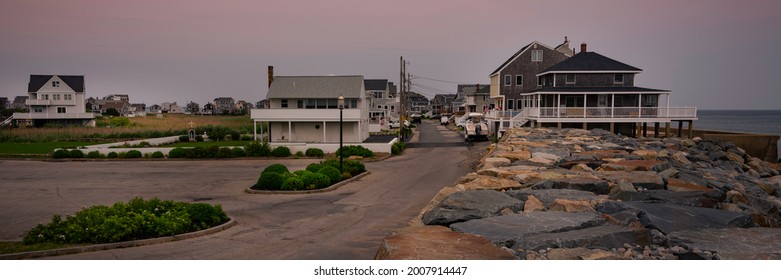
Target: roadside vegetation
137 219
315 176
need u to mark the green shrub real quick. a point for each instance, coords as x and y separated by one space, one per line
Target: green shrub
238 152
122 154
119 122
265 149
75 153
246 138
61 153
315 181
197 152
184 138
158 154
270 181
314 152
177 153
278 168
137 219
333 173
93 154
299 154
256 149
281 151
199 138
235 135
133 154
398 147
292 183
225 152
301 173
314 167
352 166
112 155
355 151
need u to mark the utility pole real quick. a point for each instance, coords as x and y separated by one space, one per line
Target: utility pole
401 97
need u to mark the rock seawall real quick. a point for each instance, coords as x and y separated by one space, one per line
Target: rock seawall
546 193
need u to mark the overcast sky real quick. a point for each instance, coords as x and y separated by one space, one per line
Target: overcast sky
710 54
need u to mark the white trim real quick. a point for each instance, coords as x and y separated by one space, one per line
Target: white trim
590 72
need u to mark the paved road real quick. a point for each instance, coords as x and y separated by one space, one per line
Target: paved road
348 223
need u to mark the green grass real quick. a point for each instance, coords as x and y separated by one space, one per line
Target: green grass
209 144
38 148
18 247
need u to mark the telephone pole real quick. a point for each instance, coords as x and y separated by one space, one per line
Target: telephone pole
401 97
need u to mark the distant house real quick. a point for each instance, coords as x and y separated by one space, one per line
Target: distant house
118 97
442 104
137 109
476 98
208 109
193 108
57 100
415 103
242 106
122 107
171 108
263 104
382 100
304 109
154 109
223 105
3 102
19 103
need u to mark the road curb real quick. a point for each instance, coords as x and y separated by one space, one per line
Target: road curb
117 245
328 189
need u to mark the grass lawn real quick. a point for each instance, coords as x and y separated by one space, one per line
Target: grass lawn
18 247
209 144
38 148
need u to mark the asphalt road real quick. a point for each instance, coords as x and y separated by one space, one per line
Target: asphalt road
348 223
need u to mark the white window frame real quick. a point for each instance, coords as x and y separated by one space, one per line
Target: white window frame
616 81
540 82
508 80
510 104
574 79
55 83
536 55
61 109
516 80
68 97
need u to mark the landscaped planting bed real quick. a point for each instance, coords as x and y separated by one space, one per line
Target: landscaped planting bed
316 176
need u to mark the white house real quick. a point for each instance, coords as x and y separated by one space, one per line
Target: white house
55 99
304 109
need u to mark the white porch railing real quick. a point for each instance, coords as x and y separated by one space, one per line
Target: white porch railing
614 112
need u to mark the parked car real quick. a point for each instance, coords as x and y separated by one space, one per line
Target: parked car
415 118
393 124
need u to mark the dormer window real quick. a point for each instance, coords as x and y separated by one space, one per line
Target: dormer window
570 79
536 55
618 79
55 83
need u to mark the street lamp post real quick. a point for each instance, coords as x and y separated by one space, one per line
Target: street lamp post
341 152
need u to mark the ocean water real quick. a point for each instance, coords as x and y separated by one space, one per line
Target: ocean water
753 121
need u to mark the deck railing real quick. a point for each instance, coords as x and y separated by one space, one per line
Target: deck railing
615 112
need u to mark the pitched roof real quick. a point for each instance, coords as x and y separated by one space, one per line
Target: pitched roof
38 81
316 87
599 89
375 84
517 54
590 61
20 99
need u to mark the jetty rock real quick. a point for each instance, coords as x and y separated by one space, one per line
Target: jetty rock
548 193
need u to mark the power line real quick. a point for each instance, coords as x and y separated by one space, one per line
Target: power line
439 80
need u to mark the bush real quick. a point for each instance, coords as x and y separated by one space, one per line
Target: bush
112 155
199 138
314 152
137 219
315 181
93 154
398 147
256 149
184 138
61 153
245 138
133 154
352 166
158 154
238 152
75 153
301 173
235 135
314 167
177 153
333 173
354 151
119 122
299 154
292 183
225 152
270 181
278 168
281 151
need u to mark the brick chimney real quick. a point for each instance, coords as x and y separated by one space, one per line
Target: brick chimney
270 75
583 47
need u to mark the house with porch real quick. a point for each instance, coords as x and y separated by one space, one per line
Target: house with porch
304 109
55 100
383 104
589 90
476 98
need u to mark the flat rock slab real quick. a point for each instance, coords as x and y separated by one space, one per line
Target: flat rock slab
468 205
594 185
438 243
507 229
550 195
645 179
636 165
602 237
733 243
668 217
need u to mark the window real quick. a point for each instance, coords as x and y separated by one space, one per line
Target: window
38 109
44 96
55 83
540 81
618 79
61 110
284 103
353 103
519 80
68 97
322 104
300 104
536 55
508 79
55 96
520 104
570 79
311 103
510 103
603 100
333 103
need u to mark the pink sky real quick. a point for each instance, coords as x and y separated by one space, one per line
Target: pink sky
712 54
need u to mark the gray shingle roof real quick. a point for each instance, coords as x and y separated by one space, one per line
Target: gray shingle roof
591 61
511 58
38 81
375 84
316 87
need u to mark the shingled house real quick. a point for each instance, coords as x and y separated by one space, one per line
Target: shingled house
55 100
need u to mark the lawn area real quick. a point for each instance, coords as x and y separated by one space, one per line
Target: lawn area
38 148
18 247
209 144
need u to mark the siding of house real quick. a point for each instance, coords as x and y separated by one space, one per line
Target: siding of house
593 80
523 65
